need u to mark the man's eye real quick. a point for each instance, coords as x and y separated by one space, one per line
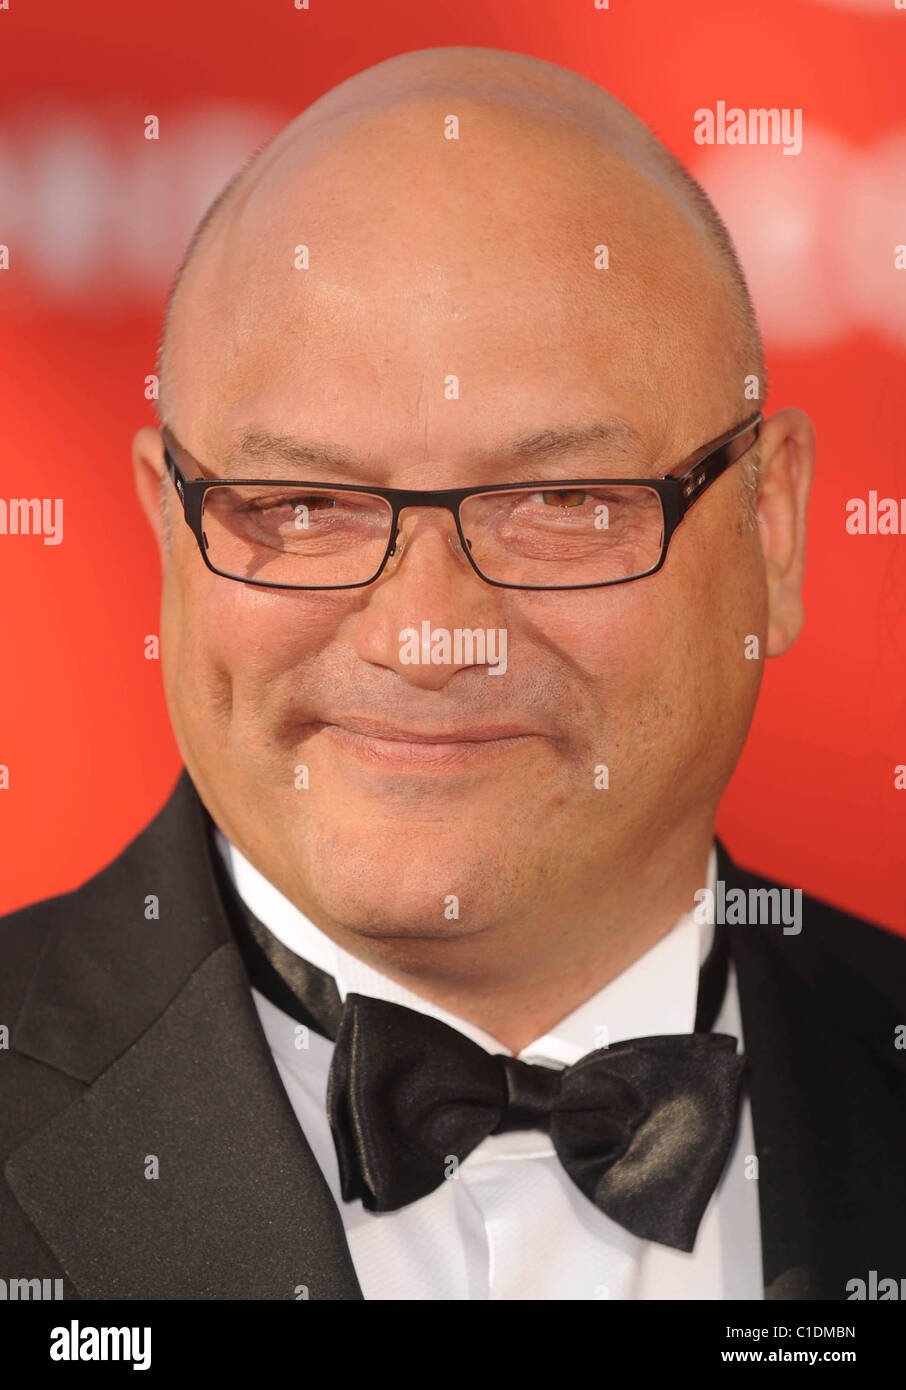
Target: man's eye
316 503
563 497
292 501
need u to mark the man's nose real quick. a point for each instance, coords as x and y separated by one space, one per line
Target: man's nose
427 587
407 525
417 530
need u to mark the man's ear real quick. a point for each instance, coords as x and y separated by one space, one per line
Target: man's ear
149 471
787 443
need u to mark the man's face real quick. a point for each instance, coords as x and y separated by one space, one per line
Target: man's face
426 264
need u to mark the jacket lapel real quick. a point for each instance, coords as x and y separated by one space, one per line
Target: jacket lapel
180 1171
827 1093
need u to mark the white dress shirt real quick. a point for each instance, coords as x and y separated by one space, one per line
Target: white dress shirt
512 1224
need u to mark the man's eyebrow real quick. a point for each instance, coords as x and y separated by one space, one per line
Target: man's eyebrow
260 444
616 434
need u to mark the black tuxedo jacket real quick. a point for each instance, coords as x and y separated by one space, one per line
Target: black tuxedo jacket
134 1039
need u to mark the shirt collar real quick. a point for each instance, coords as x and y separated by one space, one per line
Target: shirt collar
655 995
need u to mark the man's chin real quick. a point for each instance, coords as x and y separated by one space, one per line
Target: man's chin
419 927
384 910
401 889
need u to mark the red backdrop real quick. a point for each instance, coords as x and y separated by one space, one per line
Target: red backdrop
96 217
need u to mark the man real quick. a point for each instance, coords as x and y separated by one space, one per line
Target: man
418 986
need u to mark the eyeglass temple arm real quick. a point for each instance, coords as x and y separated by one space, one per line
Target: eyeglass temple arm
173 467
699 476
188 492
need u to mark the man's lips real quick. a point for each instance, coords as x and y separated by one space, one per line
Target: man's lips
474 733
379 742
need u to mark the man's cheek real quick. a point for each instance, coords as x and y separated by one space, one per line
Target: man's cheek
594 637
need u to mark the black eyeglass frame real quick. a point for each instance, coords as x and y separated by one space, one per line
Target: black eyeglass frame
677 494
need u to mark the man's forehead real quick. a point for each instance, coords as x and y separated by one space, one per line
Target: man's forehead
402 293
370 247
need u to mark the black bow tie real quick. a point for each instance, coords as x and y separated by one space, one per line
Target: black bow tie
643 1127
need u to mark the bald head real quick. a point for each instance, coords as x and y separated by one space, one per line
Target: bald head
539 135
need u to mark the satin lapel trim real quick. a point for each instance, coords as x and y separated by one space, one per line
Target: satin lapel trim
237 1207
787 1255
